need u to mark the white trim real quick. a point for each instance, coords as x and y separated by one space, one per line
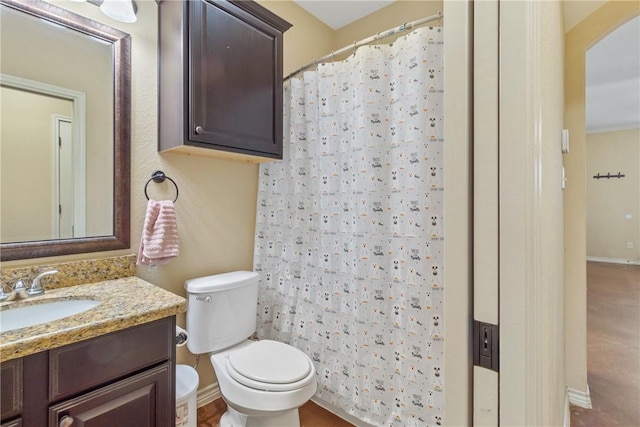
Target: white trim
208 394
567 411
55 177
613 260
579 398
458 96
486 193
617 128
522 379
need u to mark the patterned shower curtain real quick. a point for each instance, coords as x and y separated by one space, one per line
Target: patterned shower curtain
349 233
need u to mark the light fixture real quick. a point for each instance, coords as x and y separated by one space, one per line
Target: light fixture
120 10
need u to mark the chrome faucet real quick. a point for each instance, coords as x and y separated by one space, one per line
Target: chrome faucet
36 286
20 291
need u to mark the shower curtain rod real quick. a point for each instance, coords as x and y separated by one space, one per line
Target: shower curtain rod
380 35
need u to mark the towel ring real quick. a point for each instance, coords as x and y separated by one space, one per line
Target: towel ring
158 177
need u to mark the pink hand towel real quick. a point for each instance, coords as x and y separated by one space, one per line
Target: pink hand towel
159 243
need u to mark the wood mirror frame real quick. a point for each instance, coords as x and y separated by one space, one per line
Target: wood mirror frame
121 43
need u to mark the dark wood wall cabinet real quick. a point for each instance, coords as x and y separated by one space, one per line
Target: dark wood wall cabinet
125 378
220 79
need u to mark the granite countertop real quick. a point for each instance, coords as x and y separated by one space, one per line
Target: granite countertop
124 303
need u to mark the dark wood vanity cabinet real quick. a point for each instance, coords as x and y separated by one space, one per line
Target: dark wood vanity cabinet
126 378
220 78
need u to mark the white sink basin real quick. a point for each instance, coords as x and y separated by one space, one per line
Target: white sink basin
37 313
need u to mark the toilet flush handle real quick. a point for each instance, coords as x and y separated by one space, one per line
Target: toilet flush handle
205 299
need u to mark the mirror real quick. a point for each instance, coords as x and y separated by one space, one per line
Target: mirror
65 143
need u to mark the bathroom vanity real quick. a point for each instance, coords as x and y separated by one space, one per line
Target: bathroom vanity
124 378
111 365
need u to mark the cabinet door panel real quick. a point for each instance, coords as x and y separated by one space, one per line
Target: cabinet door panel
138 401
11 388
236 80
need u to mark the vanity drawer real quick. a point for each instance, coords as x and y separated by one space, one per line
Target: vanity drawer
88 364
10 388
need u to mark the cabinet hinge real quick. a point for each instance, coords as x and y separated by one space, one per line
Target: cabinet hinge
486 345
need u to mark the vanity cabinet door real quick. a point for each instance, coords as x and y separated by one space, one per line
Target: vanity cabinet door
10 389
139 400
13 423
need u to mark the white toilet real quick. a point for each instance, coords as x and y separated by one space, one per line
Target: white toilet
263 382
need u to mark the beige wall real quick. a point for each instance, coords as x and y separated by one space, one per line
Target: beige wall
577 41
610 200
306 40
27 166
576 10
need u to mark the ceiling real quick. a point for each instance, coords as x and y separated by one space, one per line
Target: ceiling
337 14
613 80
613 64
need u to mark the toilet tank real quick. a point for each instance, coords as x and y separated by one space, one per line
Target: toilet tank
221 310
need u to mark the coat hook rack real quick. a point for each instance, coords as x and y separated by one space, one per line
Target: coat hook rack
608 175
159 177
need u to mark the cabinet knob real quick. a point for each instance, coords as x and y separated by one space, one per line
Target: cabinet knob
199 129
65 421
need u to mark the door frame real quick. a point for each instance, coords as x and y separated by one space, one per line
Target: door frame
458 272
520 188
509 279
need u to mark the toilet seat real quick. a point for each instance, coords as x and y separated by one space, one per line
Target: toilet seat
270 366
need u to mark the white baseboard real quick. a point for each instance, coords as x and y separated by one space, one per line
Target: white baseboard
579 398
208 394
613 260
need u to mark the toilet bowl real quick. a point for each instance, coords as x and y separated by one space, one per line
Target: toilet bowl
263 382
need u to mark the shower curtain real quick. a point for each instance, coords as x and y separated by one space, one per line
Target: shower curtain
349 233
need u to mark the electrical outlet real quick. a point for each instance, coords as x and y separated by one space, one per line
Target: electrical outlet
629 245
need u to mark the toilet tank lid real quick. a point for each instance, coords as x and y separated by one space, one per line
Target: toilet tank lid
221 282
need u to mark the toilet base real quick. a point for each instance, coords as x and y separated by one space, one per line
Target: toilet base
233 418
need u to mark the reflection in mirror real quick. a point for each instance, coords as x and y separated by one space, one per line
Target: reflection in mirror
49 120
64 89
